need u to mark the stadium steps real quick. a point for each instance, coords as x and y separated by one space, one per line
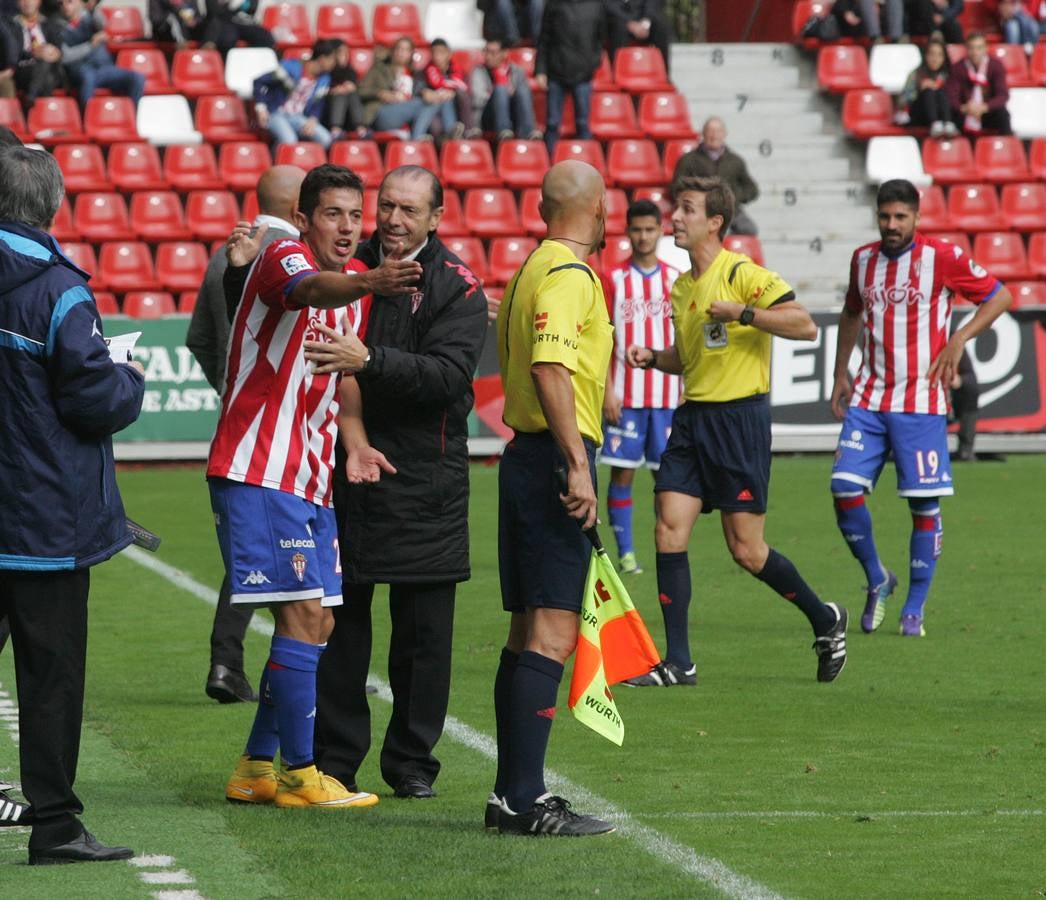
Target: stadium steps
814 207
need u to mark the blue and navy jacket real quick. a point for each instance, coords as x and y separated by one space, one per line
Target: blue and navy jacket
274 88
61 399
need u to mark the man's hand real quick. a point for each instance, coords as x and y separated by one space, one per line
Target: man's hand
344 353
725 311
945 368
365 465
842 390
308 127
851 18
395 276
541 81
639 357
493 305
99 37
580 499
261 113
611 407
241 248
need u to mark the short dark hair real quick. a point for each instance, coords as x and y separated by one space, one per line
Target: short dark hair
898 190
719 199
417 172
639 208
325 47
974 35
439 42
324 178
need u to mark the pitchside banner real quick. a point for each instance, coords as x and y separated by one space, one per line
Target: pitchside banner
1010 362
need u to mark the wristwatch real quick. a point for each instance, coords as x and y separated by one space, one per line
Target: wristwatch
366 361
747 315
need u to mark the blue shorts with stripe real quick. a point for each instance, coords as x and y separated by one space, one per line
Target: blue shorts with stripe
641 435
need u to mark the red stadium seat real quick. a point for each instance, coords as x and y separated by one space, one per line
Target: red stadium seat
62 228
55 120
106 303
148 304
1014 62
507 255
468 164
665 116
492 212
1037 254
975 207
240 164
1002 254
197 73
250 206
1037 65
370 212
363 157
289 24
748 244
412 153
1037 158
1027 293
660 198
361 59
842 67
152 64
135 166
453 222
109 120
1000 159
603 80
529 215
470 251
868 112
127 266
617 211
223 118
801 12
187 301
102 216
342 20
933 210
949 161
211 215
1024 205
82 254
634 163
305 155
587 151
617 251
958 238
673 150
188 167
522 164
640 69
12 116
180 265
980 16
123 23
158 216
394 20
83 167
613 116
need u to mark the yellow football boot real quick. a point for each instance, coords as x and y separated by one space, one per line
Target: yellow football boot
252 781
310 787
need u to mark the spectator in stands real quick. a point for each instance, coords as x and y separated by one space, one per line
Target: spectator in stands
391 93
977 90
924 99
176 21
927 16
1018 26
289 100
87 60
637 22
445 85
862 18
570 49
344 112
501 95
502 19
230 21
39 67
10 49
712 158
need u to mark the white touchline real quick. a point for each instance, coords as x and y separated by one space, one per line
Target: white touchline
851 814
704 868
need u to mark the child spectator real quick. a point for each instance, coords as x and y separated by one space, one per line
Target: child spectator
924 99
445 86
87 60
289 100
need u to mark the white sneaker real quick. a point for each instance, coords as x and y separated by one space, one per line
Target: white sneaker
937 129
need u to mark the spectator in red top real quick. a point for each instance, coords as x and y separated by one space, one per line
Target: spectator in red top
444 85
977 90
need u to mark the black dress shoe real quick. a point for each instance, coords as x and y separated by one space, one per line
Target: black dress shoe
414 787
83 849
229 686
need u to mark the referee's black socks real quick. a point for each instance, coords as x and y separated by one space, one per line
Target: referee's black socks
532 708
502 704
673 591
783 577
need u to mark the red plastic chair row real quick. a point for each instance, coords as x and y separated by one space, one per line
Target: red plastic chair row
122 266
978 207
1003 253
155 216
995 159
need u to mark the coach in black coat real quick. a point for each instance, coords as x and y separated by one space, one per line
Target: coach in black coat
410 529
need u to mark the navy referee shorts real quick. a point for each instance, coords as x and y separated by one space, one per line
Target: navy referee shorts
543 555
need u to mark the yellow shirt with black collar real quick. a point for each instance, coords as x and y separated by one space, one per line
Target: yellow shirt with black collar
724 361
554 312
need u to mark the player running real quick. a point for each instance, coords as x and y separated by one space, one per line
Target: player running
718 457
638 405
270 469
901 291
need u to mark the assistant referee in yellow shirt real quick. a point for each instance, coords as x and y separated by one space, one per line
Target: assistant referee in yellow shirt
726 310
554 342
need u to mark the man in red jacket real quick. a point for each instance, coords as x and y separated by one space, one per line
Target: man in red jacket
977 90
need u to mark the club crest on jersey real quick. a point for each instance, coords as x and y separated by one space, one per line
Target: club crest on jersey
294 263
540 321
298 562
415 301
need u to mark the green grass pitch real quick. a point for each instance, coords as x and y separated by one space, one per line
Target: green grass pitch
921 772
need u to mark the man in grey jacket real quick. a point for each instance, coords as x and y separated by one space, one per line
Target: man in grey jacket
501 95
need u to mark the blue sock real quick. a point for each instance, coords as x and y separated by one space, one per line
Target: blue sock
619 510
924 548
673 591
264 739
292 683
535 684
855 522
502 704
781 574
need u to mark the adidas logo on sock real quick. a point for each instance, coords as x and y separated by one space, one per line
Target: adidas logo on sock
549 713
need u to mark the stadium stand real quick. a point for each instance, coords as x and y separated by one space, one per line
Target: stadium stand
189 167
180 265
152 64
241 164
363 157
148 304
975 207
1024 205
158 216
467 164
135 166
197 73
393 20
108 120
412 153
289 24
949 161
491 212
126 266
522 164
342 20
103 216
613 116
167 120
83 167
220 119
1001 253
1000 159
306 155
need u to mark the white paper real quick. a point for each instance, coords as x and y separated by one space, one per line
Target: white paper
121 345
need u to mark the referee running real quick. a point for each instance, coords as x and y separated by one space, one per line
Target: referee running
554 341
725 311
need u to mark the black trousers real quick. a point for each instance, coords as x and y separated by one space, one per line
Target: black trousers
920 21
419 674
230 625
997 120
930 106
224 32
47 613
344 111
5 631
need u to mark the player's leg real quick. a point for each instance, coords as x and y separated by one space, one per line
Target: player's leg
859 459
623 451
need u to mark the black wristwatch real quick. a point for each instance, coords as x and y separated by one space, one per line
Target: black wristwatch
747 315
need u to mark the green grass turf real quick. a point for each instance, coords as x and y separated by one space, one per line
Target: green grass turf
920 772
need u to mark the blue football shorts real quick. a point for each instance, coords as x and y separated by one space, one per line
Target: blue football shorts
640 436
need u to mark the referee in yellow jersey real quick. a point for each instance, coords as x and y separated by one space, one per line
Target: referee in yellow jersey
726 309
554 342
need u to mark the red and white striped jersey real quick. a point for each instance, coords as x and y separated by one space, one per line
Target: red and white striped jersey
907 304
641 309
278 421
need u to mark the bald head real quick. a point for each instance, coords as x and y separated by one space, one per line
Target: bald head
278 190
571 190
713 134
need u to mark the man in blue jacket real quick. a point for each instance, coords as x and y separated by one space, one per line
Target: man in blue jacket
289 100
86 58
60 510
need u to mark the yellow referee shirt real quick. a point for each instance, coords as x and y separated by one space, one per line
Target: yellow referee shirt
728 361
554 312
